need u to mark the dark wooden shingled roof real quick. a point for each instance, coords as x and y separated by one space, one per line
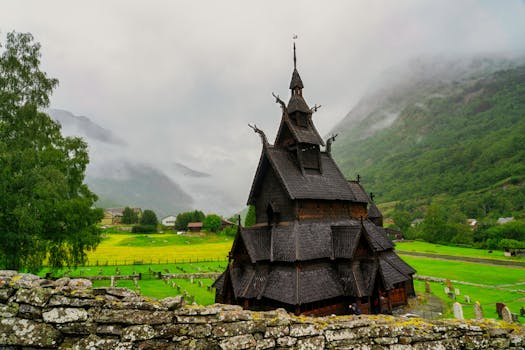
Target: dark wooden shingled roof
248 280
376 236
257 242
301 242
390 274
330 185
296 82
397 262
293 285
308 134
297 104
345 240
359 192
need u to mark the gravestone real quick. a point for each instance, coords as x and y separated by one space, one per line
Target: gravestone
467 299
499 307
112 283
458 311
506 315
478 310
456 291
449 284
427 287
447 290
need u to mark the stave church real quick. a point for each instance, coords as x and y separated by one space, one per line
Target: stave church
318 245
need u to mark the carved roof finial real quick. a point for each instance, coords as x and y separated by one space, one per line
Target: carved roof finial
261 134
329 143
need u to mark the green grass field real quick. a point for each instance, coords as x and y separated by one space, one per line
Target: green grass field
465 271
430 248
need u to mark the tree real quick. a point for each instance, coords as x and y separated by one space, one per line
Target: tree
402 219
183 219
45 209
250 216
212 223
149 218
129 216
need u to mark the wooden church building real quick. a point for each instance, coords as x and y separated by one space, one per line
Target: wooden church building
318 245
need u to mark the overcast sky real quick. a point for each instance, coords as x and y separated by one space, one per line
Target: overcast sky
180 80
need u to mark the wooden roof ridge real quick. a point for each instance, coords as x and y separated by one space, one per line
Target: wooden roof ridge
377 238
359 191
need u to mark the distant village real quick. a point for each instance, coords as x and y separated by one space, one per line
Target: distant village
116 216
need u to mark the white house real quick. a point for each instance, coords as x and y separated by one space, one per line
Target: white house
168 221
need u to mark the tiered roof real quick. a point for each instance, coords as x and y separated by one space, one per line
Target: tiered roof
273 251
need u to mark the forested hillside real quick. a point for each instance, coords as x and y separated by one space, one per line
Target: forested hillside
460 139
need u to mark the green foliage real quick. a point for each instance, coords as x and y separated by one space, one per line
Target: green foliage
45 209
149 218
402 219
144 228
129 216
462 139
506 243
229 231
183 219
212 223
444 224
250 217
492 236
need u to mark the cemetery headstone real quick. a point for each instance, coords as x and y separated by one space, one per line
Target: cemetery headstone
447 290
112 283
449 284
458 311
506 315
456 291
478 310
427 287
467 299
499 307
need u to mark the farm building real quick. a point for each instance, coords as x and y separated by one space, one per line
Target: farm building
168 221
318 244
194 226
113 216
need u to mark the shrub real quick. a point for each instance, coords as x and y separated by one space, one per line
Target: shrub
144 228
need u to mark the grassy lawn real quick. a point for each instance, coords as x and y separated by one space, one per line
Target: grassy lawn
486 297
466 271
126 248
197 267
430 248
197 291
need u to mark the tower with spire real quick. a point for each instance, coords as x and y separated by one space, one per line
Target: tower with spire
318 244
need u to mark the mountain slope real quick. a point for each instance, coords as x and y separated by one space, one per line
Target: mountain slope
463 138
118 177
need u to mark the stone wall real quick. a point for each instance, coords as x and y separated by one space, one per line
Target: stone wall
68 313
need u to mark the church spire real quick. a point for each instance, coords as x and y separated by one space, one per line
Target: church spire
294 57
296 85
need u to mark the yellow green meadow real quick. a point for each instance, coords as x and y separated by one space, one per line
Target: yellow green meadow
129 248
